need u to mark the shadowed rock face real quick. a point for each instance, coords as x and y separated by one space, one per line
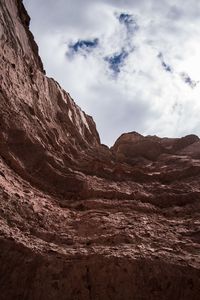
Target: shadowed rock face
79 220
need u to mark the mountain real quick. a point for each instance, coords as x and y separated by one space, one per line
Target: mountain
79 220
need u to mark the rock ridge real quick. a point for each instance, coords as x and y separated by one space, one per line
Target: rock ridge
79 220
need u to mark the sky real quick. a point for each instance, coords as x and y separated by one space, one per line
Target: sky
134 65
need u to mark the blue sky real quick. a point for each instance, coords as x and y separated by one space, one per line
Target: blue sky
132 65
82 47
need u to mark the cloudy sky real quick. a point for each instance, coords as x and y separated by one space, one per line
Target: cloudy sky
134 65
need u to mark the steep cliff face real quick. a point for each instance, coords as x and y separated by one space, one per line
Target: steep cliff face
42 130
79 220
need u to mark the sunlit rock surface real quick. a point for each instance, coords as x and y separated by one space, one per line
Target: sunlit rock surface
79 220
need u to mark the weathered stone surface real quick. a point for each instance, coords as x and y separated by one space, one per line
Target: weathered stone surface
79 220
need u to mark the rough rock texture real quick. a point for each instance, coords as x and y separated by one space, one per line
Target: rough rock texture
79 220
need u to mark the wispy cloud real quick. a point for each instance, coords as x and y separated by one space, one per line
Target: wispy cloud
186 78
128 21
165 66
82 46
136 63
116 61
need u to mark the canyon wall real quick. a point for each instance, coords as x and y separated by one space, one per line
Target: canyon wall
79 220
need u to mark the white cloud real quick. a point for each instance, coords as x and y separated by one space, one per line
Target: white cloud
144 96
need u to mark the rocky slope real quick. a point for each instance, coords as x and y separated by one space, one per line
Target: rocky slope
79 220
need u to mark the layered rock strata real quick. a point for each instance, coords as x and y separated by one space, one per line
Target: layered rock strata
79 220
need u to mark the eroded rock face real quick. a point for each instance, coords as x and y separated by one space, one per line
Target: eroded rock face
79 220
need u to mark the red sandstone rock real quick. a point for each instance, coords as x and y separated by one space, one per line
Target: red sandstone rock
79 220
